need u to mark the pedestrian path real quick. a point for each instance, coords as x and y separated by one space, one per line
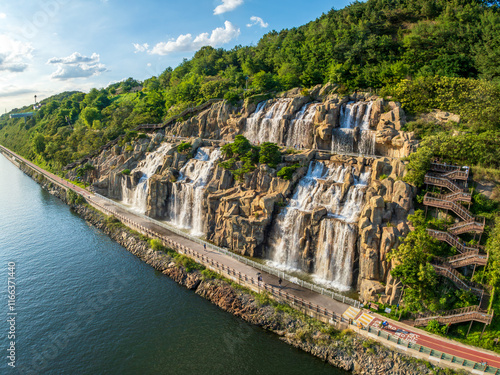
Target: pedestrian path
404 332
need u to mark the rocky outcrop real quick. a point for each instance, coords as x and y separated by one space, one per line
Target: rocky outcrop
382 223
341 349
224 121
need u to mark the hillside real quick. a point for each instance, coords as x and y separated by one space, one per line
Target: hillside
393 84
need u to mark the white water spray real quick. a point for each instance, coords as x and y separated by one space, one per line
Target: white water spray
137 196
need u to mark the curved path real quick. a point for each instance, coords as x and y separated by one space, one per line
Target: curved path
397 328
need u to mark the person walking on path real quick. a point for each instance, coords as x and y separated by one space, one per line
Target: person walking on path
205 246
279 282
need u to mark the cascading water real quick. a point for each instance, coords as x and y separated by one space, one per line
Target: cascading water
321 187
137 196
334 255
300 130
186 198
265 126
354 134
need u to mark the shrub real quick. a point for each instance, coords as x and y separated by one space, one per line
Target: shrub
184 147
232 97
383 177
286 173
126 172
418 166
74 198
270 154
156 245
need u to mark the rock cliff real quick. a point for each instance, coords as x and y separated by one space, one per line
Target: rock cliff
338 216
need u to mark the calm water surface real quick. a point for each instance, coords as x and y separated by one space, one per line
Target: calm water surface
85 305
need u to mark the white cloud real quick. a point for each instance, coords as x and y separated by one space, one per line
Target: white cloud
140 47
227 6
77 66
75 58
183 43
14 54
257 21
3 16
12 90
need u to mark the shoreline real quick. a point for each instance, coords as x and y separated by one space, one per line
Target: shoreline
345 350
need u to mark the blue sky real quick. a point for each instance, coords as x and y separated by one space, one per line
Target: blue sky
50 46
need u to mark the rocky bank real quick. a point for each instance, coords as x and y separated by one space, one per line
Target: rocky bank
341 349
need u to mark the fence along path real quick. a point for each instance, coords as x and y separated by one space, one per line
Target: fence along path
258 266
468 360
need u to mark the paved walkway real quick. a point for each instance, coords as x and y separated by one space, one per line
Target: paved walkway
420 337
407 333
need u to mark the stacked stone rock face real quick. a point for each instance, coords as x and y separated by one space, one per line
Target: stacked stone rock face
344 247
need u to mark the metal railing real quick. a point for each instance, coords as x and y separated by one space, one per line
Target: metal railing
262 267
438 200
452 240
457 279
468 226
443 182
433 354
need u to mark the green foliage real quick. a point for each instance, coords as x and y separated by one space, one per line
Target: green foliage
425 54
156 245
422 128
126 172
208 274
184 147
270 154
382 177
476 101
286 173
38 143
434 327
419 164
465 149
74 198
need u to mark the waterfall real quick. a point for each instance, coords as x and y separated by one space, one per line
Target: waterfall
354 134
265 126
320 188
334 259
186 198
300 130
137 196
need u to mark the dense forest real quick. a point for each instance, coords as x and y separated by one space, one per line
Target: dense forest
425 53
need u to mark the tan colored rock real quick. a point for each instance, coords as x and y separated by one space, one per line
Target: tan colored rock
370 290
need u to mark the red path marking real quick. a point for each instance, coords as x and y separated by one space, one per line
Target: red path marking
417 337
438 344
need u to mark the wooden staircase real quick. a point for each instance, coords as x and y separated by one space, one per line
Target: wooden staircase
465 314
431 179
451 171
468 226
441 201
453 240
466 259
446 270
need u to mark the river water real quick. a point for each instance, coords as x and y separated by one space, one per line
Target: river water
85 305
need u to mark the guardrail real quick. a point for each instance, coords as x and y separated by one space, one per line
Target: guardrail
327 292
433 354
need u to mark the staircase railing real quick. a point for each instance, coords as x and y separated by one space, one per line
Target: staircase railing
438 200
476 225
452 240
447 271
443 182
455 316
451 169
